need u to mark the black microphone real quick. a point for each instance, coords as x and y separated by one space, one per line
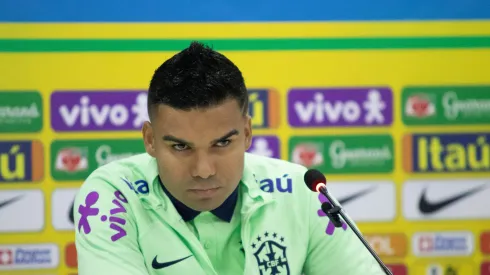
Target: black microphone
316 182
331 213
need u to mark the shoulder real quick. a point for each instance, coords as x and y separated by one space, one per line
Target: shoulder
120 174
276 175
268 165
122 180
103 204
126 167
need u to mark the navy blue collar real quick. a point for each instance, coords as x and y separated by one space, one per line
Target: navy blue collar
224 211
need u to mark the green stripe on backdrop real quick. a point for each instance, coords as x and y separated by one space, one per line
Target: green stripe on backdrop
146 45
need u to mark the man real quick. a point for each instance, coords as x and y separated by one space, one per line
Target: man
196 202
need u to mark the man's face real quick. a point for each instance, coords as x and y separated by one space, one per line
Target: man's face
200 153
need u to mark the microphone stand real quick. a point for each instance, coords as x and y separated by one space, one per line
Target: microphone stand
333 214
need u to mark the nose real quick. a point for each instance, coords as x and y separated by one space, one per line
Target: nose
203 166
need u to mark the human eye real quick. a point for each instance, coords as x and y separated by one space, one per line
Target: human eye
223 143
180 147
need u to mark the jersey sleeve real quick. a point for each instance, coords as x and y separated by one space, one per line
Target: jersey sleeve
106 236
334 250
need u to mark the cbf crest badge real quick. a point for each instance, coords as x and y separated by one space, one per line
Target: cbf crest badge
270 253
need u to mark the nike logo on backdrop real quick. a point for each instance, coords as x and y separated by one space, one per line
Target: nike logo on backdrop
9 201
354 196
156 265
428 207
70 214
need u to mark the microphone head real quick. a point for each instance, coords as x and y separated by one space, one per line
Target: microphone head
314 179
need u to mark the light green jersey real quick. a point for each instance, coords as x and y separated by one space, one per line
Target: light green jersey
126 225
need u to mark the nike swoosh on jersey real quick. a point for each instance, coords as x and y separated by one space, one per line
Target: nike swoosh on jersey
354 196
70 214
9 201
428 207
156 265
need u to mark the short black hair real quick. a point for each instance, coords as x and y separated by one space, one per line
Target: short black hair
195 78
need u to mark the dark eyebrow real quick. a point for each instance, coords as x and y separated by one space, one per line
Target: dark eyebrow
228 135
181 141
176 140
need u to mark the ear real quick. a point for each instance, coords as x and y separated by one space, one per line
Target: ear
148 138
248 132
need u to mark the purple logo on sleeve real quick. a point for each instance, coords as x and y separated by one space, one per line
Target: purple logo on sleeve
330 227
98 110
115 222
340 107
86 210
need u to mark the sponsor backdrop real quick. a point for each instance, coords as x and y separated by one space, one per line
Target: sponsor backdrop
395 113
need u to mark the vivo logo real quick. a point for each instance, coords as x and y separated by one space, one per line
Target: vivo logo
340 107
98 111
